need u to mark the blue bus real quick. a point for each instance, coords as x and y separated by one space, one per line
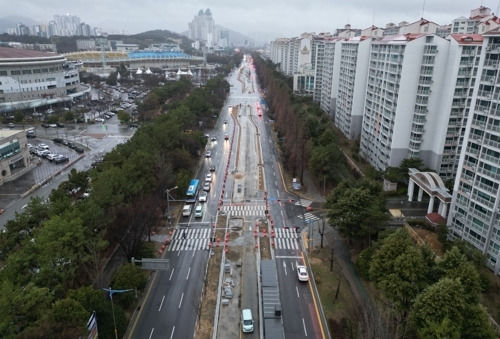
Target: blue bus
192 191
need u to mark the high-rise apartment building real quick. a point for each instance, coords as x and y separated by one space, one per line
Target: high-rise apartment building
202 28
475 210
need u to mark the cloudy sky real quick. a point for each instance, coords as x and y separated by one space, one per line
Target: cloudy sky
258 19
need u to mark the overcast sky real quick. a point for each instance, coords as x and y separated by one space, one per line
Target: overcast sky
257 19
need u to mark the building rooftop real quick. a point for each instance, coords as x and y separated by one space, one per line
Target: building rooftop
18 53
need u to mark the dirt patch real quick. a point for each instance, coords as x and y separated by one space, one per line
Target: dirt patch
428 237
239 176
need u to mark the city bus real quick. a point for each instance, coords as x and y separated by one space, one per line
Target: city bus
192 191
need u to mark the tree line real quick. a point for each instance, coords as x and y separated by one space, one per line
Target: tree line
54 251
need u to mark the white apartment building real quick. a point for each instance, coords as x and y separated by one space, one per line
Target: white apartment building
202 28
475 210
470 25
403 115
327 85
353 57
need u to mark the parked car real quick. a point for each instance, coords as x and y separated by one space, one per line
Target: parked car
302 273
30 134
79 150
51 156
99 120
60 124
57 140
133 125
45 125
53 125
11 125
43 146
60 159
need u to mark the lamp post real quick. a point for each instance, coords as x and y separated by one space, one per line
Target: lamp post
111 292
168 202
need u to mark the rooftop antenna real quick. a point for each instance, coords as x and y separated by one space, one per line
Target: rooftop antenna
423 9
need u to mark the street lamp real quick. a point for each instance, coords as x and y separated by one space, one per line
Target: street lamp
111 292
168 202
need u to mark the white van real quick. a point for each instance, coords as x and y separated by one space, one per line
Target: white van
246 320
198 212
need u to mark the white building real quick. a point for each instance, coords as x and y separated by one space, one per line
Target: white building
353 58
475 210
202 28
403 117
31 79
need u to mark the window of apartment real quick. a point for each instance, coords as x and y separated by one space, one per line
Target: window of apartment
36 71
3 72
26 71
15 72
45 70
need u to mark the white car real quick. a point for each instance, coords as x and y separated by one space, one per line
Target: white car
206 186
302 273
208 178
44 146
208 154
203 196
186 210
98 119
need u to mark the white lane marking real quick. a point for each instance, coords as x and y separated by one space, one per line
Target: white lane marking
189 271
151 334
180 302
171 274
161 304
304 324
172 334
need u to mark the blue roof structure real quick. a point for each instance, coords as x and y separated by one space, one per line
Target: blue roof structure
158 55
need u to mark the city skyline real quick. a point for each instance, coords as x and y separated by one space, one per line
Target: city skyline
259 17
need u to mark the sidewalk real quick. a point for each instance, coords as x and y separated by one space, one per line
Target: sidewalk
333 240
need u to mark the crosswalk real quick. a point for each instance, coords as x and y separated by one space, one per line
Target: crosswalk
190 239
244 210
287 239
309 217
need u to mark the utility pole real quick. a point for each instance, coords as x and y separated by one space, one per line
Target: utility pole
323 232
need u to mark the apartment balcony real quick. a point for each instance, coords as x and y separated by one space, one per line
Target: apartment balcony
493 48
472 151
485 94
493 128
488 79
478 123
419 119
491 63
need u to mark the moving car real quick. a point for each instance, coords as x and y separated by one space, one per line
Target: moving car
202 197
213 138
208 177
208 154
206 186
226 136
186 210
212 168
198 211
246 321
302 273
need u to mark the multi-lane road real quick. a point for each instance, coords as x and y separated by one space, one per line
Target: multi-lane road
173 300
